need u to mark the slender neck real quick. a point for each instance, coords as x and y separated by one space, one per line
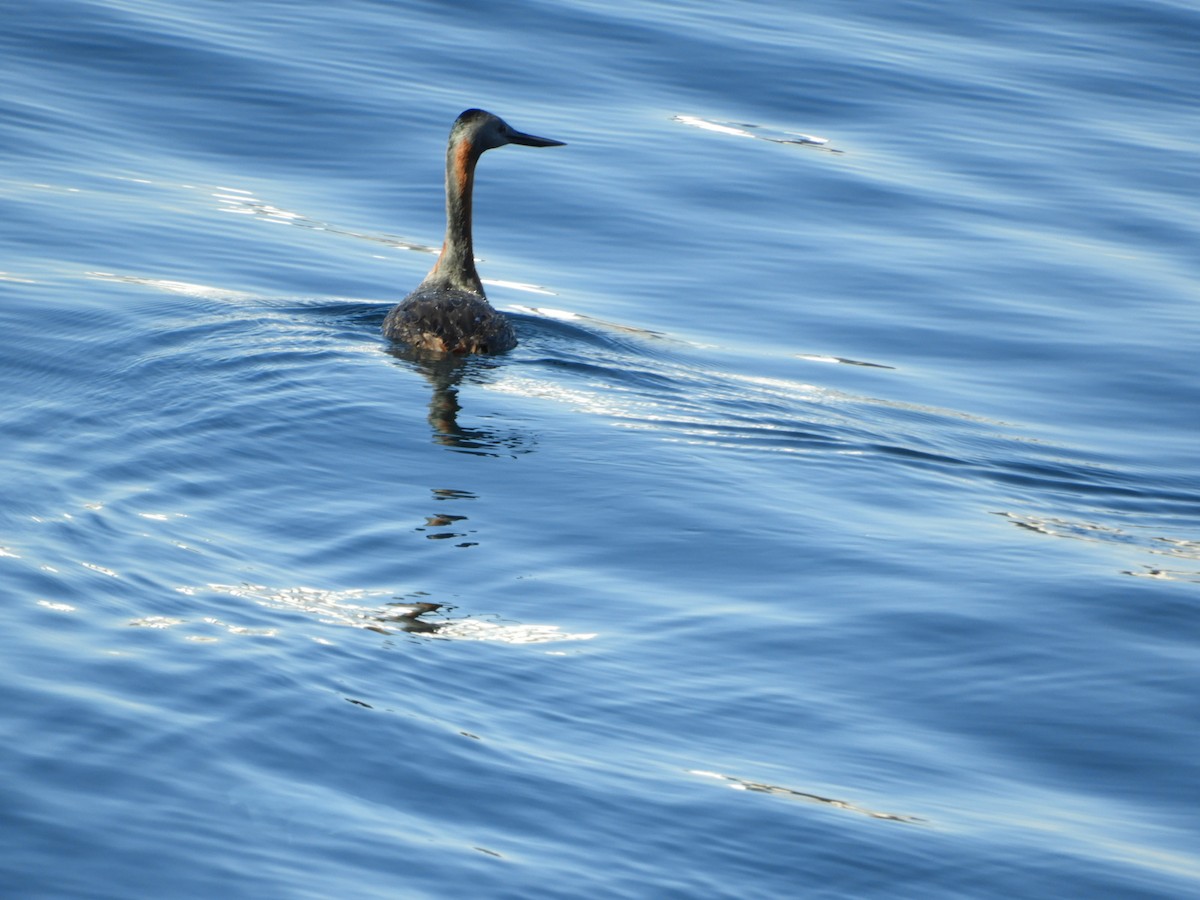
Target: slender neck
456 264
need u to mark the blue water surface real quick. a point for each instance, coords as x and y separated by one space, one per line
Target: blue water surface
834 531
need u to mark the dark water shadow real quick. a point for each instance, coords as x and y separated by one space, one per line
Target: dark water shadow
404 617
445 373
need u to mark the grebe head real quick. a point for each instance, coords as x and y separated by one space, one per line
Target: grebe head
484 131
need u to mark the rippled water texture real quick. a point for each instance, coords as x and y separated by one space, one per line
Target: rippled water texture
832 531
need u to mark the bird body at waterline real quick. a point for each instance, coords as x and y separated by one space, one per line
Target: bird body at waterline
449 312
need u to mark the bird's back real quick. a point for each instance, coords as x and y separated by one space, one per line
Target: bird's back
449 320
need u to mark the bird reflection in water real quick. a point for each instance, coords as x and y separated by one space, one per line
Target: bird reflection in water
445 372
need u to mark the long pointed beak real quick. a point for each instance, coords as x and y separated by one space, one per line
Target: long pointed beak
529 140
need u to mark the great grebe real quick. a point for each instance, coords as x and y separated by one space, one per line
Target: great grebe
449 311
